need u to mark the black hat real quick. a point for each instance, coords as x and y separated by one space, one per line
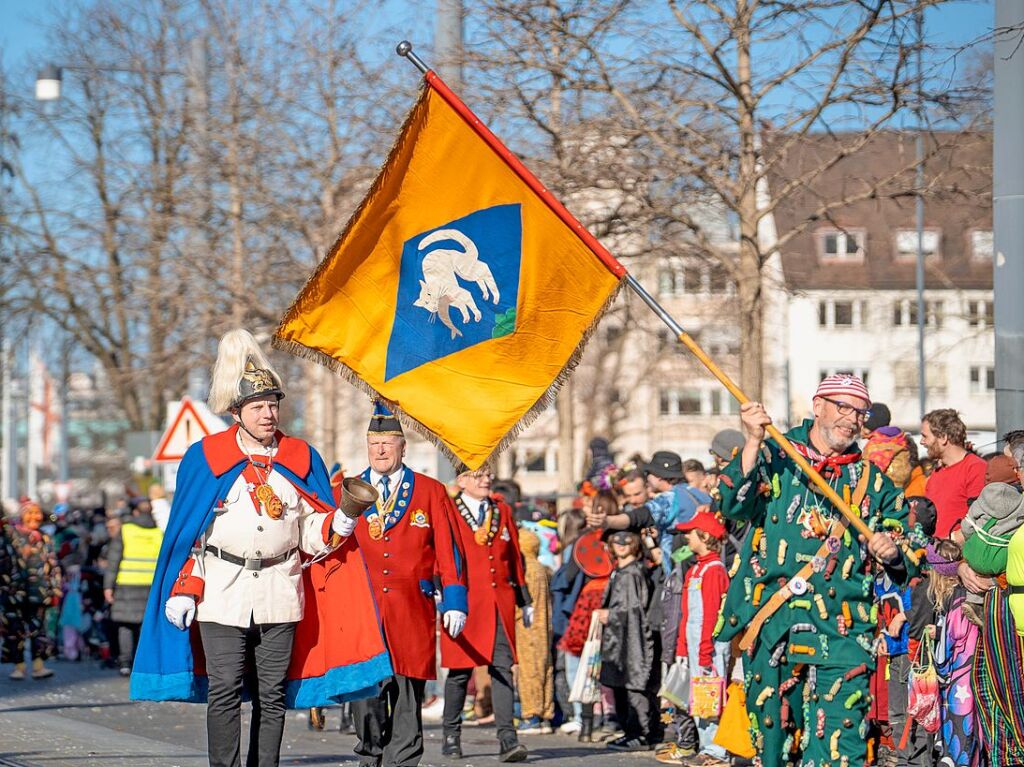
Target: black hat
925 513
665 464
880 416
256 382
383 422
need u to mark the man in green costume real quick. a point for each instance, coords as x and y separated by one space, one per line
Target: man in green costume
800 604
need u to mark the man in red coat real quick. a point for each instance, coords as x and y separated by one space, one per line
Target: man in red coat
405 539
495 568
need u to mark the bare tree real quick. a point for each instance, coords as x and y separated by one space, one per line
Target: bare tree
200 165
706 99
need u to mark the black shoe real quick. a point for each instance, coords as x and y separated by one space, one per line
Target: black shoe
629 744
512 751
452 746
586 731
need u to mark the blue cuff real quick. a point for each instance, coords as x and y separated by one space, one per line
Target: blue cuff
454 598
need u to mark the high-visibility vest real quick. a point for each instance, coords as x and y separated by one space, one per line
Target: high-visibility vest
139 555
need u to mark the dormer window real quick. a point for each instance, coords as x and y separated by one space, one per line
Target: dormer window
836 245
981 244
906 243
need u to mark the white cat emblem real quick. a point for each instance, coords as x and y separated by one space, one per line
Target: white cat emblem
440 290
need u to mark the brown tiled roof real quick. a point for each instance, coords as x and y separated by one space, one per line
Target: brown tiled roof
958 175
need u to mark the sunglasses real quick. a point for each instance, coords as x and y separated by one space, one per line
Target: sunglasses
845 408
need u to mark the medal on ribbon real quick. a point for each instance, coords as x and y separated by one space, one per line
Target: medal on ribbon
270 501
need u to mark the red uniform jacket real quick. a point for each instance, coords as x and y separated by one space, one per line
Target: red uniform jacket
419 539
496 585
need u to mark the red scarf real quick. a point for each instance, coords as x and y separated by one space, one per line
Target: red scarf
830 466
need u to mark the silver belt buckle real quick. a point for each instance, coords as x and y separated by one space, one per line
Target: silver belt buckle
253 563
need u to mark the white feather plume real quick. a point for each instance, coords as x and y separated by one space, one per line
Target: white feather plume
235 348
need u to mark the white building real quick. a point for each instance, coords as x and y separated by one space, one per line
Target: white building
848 301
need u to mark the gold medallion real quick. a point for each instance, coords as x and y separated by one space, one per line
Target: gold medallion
376 529
480 535
269 501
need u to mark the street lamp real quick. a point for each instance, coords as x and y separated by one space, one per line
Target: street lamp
48 83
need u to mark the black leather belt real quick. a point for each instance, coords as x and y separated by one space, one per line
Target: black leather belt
250 563
1016 590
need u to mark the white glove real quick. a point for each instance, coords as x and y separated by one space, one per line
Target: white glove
180 610
343 525
527 616
454 621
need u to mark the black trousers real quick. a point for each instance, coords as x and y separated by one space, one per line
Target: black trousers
502 693
635 709
390 726
257 658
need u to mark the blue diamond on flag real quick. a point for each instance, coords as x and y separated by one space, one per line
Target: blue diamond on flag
458 286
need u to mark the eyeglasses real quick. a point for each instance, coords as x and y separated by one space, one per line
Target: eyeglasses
845 408
479 475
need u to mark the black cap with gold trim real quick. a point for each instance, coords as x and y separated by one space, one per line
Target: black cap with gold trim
383 422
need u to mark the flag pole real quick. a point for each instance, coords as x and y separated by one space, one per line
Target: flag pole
404 49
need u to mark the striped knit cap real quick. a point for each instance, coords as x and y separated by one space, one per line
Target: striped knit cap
843 383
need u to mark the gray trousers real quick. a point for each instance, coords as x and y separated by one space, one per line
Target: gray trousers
918 752
502 693
390 726
257 658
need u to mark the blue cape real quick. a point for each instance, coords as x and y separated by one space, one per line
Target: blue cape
164 661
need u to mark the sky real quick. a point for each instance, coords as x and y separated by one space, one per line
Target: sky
22 23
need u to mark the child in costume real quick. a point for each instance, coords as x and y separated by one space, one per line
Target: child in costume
627 644
704 589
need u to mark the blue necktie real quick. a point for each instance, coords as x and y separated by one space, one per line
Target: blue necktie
385 492
483 512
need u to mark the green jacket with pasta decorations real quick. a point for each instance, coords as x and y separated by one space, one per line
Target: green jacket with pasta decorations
832 619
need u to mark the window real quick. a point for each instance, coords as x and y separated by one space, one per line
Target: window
980 314
669 283
718 279
675 401
904 313
981 244
841 245
983 379
722 403
841 314
906 243
693 279
906 381
536 462
862 373
612 333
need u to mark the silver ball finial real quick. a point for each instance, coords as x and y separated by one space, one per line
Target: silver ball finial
403 48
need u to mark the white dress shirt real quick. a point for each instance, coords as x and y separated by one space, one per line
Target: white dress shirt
394 481
234 596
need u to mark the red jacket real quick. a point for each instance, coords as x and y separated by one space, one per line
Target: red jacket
496 584
713 581
420 540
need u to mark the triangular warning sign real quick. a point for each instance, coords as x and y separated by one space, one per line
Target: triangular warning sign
189 423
